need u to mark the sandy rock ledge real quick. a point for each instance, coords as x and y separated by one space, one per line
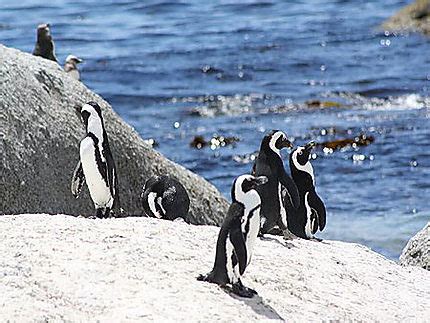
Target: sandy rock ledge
138 269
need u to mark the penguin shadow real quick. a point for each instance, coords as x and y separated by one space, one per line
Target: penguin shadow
284 244
257 304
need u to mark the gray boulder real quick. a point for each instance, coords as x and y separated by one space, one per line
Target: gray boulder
412 18
39 140
417 250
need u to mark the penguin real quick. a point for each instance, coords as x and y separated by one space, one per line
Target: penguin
44 44
269 164
71 66
311 214
237 236
96 165
165 197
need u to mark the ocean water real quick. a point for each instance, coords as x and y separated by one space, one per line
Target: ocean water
177 69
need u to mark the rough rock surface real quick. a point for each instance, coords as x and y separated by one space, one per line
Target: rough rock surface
63 268
412 18
417 250
40 134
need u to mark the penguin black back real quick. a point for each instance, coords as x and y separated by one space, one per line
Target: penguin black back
44 44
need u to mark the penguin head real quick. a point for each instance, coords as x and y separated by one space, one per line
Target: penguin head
275 141
72 59
244 186
90 111
43 33
299 159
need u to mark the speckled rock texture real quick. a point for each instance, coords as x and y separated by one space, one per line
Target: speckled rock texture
417 251
39 140
412 18
72 269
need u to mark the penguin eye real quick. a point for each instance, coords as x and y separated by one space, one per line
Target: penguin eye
300 153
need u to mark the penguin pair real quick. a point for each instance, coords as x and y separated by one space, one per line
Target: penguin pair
237 236
162 197
290 203
45 48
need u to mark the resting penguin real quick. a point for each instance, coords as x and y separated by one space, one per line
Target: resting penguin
71 66
237 236
96 165
269 164
44 43
165 197
311 214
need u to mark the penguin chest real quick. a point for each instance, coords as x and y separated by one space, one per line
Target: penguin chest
309 221
99 190
250 229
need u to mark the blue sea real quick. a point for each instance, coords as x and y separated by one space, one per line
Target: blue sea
179 69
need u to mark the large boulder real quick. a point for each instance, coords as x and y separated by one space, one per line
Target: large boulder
412 18
417 250
40 134
63 268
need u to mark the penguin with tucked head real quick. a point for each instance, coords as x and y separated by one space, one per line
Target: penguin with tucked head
44 43
311 214
237 236
164 197
71 66
96 166
269 164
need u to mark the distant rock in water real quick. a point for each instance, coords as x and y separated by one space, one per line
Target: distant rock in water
412 18
417 250
40 140
360 140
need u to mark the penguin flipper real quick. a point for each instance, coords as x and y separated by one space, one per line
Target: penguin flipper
292 191
78 180
238 241
318 206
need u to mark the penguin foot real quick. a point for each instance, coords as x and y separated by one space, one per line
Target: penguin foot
316 239
99 213
288 235
242 291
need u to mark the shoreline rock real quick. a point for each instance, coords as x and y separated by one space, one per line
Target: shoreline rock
40 136
417 250
64 268
415 17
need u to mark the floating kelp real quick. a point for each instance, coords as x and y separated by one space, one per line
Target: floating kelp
215 142
358 141
318 104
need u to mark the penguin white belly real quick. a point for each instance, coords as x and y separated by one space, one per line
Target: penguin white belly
308 226
281 206
232 272
254 227
99 191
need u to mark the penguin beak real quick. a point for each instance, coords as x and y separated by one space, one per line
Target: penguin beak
286 143
310 145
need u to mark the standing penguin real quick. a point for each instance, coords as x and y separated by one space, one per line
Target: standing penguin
71 66
269 164
44 43
311 214
165 197
237 236
96 165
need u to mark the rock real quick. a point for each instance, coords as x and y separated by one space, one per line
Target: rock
358 141
417 250
322 104
41 136
412 18
62 268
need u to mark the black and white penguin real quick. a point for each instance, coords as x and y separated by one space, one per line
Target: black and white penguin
311 214
237 236
96 165
44 43
269 164
164 197
71 66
